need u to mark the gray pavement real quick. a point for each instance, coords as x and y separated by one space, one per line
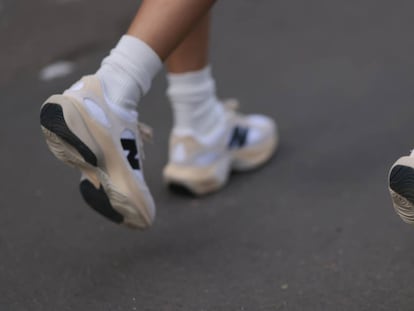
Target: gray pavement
313 230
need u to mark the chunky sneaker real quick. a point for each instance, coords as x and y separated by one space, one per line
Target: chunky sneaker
203 164
83 129
401 187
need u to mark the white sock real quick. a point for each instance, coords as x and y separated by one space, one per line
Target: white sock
128 71
195 105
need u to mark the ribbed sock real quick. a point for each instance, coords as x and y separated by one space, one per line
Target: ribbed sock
128 71
195 105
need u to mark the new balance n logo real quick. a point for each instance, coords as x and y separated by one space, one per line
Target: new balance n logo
239 137
130 146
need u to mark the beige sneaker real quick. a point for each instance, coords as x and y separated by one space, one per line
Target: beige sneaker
203 164
103 141
401 187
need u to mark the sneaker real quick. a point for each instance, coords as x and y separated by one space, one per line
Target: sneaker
401 187
203 164
83 129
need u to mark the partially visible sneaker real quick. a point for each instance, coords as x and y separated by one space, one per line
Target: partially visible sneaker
203 164
401 187
83 129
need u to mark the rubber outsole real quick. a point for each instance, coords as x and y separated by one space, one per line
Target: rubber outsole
181 189
99 201
52 119
401 185
402 181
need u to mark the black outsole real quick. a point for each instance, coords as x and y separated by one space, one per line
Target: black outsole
99 201
51 118
402 181
181 190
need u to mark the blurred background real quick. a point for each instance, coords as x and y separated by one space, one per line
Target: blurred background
312 230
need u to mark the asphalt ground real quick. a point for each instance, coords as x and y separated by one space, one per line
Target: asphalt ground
312 230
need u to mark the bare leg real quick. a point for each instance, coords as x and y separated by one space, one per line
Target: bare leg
192 53
163 24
